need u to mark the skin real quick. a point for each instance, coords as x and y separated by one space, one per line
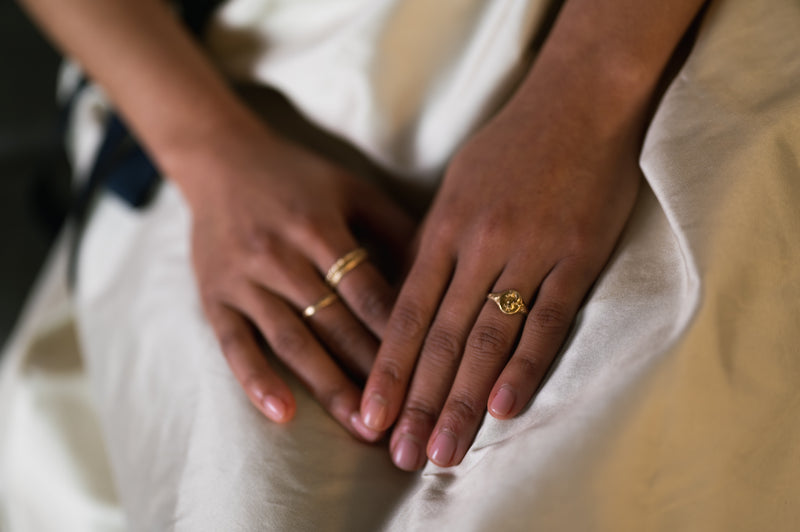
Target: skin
261 241
535 201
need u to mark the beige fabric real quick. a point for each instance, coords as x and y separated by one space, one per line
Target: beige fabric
674 405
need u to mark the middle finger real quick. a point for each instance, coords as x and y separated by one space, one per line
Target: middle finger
436 367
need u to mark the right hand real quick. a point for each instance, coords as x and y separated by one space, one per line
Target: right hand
269 219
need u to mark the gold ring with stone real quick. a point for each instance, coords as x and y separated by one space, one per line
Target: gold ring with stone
509 302
344 265
327 300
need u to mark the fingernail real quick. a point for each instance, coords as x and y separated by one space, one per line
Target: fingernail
443 448
503 402
275 409
375 412
363 430
406 454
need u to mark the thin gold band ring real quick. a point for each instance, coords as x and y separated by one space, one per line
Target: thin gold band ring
326 301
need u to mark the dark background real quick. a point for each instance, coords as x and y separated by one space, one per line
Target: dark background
33 174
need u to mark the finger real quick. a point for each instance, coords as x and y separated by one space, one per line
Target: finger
287 273
347 338
437 366
490 343
262 385
293 343
365 291
405 333
544 333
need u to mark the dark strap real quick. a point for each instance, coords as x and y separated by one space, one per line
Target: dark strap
121 165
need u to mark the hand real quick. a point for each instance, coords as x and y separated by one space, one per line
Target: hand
531 204
268 220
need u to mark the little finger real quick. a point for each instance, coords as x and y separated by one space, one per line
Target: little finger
296 346
544 333
263 386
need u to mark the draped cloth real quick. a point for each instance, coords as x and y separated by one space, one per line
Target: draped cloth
672 406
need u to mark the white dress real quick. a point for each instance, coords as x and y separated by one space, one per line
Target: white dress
673 405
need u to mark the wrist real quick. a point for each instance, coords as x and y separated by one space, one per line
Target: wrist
601 64
197 153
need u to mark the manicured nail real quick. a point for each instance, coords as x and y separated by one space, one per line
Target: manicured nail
375 412
406 454
275 409
363 430
503 402
443 448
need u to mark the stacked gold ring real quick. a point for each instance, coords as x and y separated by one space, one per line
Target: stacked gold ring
344 265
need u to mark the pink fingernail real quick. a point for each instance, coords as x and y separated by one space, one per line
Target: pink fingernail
503 402
406 454
275 408
443 448
363 430
375 412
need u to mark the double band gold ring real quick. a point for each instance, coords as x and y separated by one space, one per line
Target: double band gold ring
343 265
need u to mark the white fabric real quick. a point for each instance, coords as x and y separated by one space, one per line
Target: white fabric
404 80
53 470
674 404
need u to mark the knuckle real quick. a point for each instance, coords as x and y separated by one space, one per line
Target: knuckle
530 366
462 410
332 397
420 413
441 232
581 238
260 241
311 223
291 341
488 338
231 341
493 224
344 336
389 373
443 343
408 321
551 317
374 303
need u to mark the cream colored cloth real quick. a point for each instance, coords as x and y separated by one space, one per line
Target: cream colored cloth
675 402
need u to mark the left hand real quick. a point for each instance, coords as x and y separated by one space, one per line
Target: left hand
531 202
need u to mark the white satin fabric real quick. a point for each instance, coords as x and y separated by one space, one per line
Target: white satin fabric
673 405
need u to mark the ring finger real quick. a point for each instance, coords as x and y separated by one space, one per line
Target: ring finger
297 280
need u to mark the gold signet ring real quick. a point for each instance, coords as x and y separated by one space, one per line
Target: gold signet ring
343 265
327 300
509 302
